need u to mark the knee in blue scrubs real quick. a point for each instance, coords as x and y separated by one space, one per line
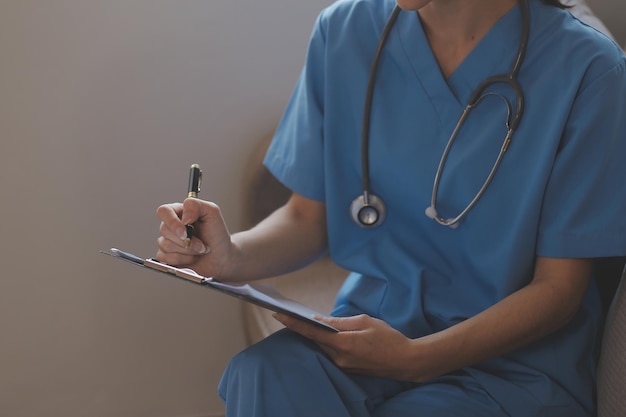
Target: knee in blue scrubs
286 375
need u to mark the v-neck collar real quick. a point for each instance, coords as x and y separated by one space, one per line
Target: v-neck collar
493 55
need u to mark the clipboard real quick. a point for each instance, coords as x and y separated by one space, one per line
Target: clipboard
263 295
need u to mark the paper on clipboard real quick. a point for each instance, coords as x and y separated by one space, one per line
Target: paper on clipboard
263 295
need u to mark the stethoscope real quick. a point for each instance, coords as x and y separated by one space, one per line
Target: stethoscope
368 210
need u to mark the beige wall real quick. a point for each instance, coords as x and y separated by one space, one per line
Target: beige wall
103 106
613 14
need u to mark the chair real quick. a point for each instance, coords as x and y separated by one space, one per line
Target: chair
612 367
314 285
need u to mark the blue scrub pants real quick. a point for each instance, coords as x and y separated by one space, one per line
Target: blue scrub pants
286 375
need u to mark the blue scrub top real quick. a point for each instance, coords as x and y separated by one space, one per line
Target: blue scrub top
559 192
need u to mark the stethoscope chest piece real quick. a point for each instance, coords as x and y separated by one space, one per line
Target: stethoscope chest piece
367 210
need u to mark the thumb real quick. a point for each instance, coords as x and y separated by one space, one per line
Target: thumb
209 225
345 324
195 210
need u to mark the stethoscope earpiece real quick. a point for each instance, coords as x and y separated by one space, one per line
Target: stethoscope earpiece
431 213
367 210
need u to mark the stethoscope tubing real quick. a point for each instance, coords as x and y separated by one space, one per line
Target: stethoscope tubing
479 93
369 99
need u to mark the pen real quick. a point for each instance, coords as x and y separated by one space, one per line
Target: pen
193 189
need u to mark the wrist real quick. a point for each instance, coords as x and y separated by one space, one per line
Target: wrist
228 264
427 359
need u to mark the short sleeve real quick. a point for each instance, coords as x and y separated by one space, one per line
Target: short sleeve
582 11
295 156
584 209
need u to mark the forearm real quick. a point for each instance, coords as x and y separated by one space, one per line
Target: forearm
369 346
527 315
289 238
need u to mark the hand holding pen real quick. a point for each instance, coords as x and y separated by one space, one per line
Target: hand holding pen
193 189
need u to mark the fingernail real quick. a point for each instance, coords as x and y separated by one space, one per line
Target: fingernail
200 247
182 233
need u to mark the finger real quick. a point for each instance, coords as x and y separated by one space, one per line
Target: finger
195 209
306 329
175 258
171 224
210 226
172 236
345 324
337 346
172 242
169 212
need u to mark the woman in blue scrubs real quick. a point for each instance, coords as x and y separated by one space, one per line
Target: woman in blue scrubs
497 316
